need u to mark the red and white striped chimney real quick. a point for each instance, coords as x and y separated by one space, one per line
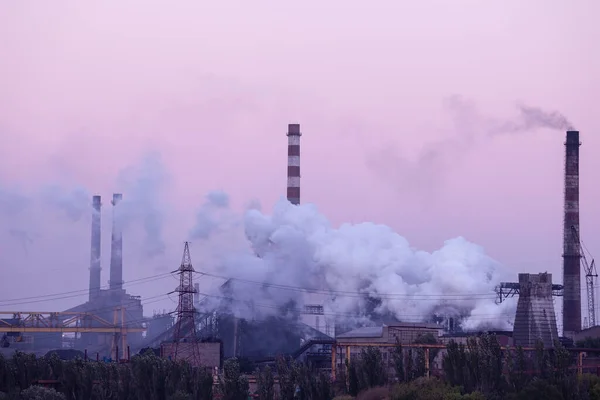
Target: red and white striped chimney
293 170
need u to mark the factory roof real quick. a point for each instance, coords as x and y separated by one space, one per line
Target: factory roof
364 332
377 331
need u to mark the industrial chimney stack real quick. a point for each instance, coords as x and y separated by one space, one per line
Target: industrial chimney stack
293 173
95 268
116 248
571 254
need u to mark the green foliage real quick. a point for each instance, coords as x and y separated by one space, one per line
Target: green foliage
288 375
145 377
589 343
398 358
302 381
41 393
366 371
233 386
430 388
266 384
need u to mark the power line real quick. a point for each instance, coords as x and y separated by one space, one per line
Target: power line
342 293
77 293
251 304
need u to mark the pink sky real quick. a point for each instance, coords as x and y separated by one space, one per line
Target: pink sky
86 89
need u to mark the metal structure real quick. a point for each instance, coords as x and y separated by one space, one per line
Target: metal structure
69 322
535 318
571 253
95 269
116 249
590 275
507 290
185 324
293 169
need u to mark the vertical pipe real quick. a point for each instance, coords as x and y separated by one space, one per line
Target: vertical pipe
95 269
571 254
116 248
293 169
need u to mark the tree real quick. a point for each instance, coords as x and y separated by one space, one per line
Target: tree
287 373
41 393
398 358
233 385
266 384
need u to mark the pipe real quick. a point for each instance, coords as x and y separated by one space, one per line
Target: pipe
571 254
116 248
293 169
95 268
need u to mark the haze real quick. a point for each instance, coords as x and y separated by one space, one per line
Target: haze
205 92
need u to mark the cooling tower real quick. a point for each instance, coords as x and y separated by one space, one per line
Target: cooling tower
95 269
535 318
116 248
293 169
571 255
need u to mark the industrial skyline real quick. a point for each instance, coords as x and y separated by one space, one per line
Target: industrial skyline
219 126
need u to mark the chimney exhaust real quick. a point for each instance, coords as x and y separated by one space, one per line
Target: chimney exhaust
293 169
95 269
571 254
116 248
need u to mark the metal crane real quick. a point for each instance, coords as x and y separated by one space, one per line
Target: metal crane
590 274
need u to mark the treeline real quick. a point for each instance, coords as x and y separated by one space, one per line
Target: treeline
477 370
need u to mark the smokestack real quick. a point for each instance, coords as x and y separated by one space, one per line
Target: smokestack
116 248
95 253
293 173
571 255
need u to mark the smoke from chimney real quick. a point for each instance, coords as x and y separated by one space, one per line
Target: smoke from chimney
95 269
116 248
293 174
571 254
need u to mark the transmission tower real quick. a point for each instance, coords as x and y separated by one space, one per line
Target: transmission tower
186 338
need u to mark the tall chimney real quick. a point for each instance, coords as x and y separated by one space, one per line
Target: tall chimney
571 254
95 253
116 248
293 173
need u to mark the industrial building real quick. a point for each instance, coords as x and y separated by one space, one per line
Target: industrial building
315 334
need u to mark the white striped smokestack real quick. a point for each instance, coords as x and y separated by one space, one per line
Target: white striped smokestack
293 170
116 248
95 269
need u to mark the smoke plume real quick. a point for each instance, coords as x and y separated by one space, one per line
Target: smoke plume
142 204
303 259
470 126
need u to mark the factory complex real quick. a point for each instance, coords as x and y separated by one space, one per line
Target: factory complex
111 324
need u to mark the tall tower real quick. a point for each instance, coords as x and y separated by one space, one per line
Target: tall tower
535 318
571 254
293 169
186 339
95 269
116 248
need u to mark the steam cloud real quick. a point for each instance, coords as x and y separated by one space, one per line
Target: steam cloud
142 204
470 127
351 268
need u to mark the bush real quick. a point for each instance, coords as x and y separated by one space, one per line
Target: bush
376 393
41 393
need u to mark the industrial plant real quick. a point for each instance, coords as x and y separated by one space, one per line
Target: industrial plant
111 324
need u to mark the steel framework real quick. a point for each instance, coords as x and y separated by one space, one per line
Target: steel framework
185 325
69 322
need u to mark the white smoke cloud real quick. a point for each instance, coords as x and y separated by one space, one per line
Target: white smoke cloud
300 249
143 205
